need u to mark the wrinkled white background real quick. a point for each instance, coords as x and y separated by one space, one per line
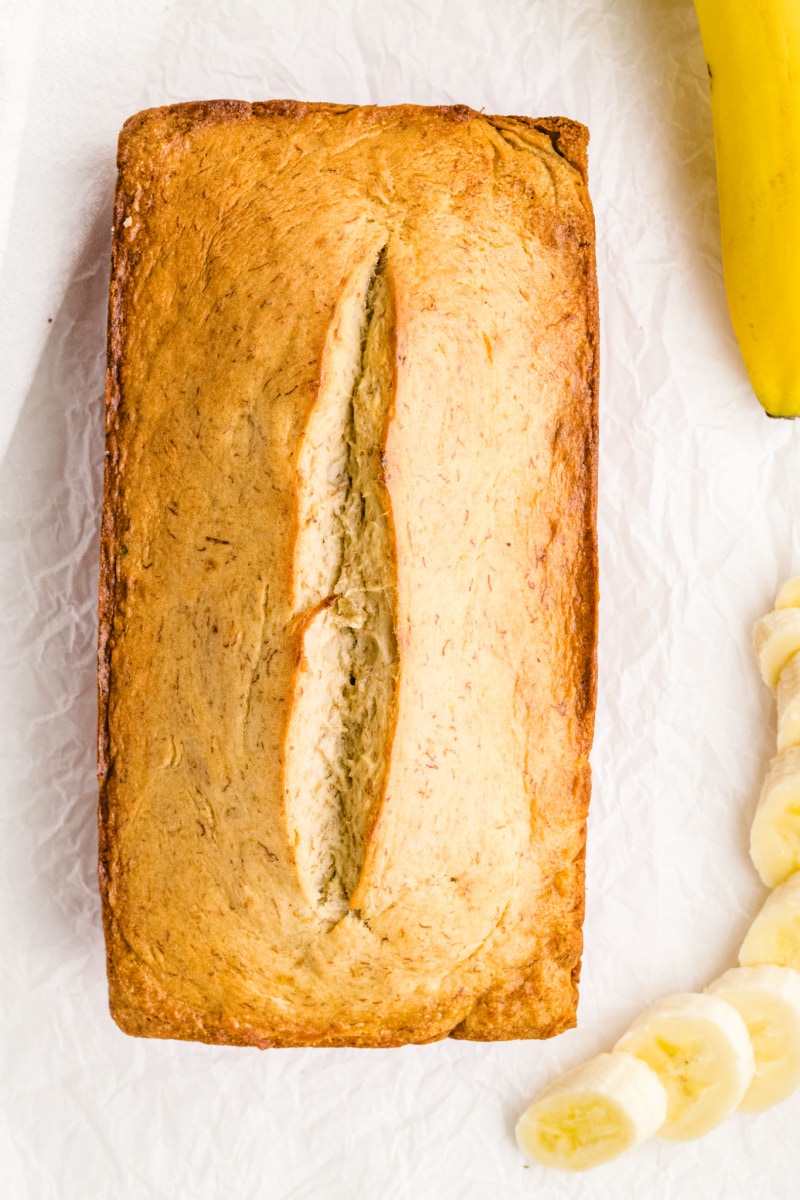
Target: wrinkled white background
699 493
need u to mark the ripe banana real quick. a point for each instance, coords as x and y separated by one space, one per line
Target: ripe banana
768 1000
789 704
774 936
752 48
789 594
593 1114
699 1047
775 832
776 639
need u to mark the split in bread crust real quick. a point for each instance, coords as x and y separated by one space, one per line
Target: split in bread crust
342 716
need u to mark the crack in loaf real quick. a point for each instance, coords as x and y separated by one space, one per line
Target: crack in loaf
344 703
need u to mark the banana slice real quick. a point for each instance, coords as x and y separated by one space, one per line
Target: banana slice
789 704
775 832
789 594
776 638
768 1000
593 1114
699 1047
774 936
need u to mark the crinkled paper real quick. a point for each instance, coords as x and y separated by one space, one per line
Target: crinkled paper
699 499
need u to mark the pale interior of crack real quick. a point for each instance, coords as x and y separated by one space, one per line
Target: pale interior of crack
342 714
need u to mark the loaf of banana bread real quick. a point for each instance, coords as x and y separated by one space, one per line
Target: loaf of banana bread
348 578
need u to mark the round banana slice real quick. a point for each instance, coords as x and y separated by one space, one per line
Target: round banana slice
775 832
789 704
776 638
593 1114
768 1000
789 594
774 936
699 1047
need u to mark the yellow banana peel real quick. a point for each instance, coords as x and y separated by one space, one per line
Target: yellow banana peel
752 48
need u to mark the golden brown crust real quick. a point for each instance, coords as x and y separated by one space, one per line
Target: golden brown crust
507 996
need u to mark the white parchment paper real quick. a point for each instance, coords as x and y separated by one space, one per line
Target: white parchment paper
699 501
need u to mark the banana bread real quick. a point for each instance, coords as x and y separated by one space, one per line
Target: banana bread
348 574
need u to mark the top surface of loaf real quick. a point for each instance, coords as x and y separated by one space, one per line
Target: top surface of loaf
348 585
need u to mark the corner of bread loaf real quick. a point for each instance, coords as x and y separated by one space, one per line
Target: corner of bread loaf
152 133
137 1002
137 1005
540 998
570 140
141 1007
539 1001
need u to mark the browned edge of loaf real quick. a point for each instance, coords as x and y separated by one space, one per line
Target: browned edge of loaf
168 1018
